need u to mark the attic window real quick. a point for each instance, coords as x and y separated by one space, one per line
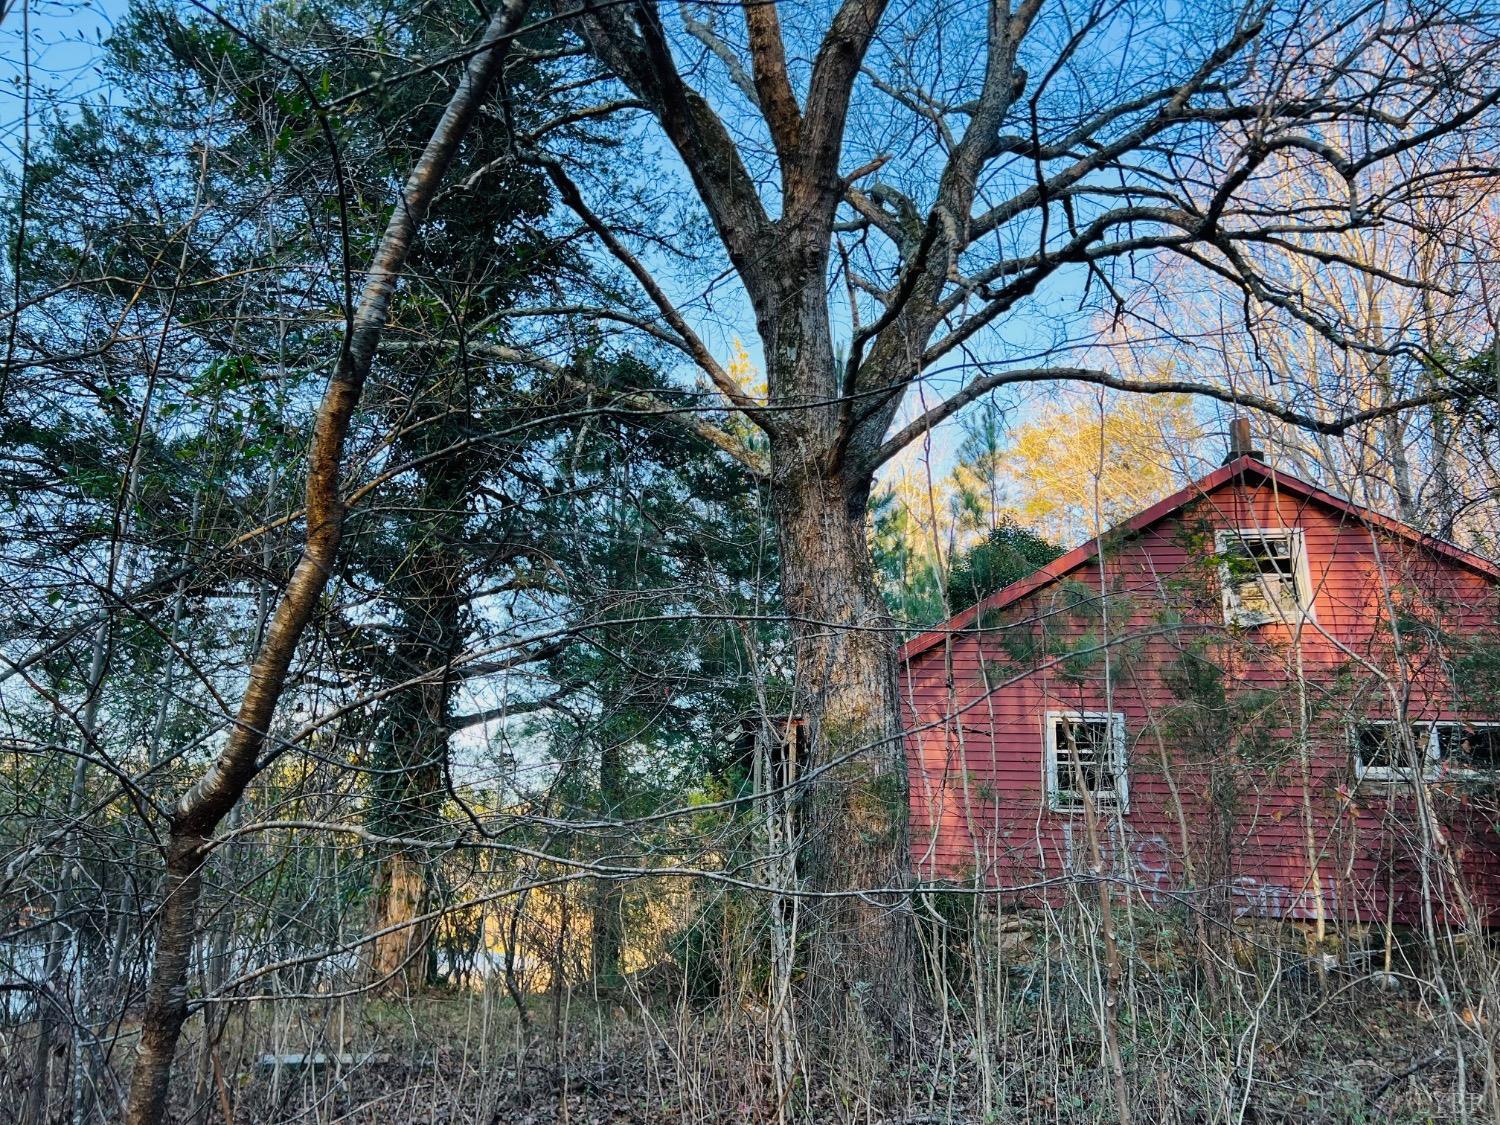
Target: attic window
1085 754
1263 575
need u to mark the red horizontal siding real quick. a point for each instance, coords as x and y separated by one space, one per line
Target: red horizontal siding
976 749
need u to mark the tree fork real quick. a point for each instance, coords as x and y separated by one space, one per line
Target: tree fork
204 805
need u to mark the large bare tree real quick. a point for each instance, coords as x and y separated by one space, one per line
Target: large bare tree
927 203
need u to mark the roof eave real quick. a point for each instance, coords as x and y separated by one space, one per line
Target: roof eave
1242 466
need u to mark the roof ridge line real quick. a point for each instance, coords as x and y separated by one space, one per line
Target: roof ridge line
1218 478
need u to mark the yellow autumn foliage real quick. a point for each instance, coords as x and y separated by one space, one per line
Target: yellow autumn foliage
1082 464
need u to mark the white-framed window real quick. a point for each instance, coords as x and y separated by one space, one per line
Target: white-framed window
1085 753
1448 747
1467 748
1263 576
1383 751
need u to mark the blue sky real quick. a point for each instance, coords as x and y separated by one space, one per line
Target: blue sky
62 48
62 45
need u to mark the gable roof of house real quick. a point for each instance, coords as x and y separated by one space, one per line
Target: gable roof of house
1242 467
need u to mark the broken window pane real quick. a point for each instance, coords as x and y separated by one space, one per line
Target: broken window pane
1469 747
1480 748
1086 757
1389 750
1379 746
1260 575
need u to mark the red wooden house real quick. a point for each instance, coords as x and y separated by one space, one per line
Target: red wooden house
1255 696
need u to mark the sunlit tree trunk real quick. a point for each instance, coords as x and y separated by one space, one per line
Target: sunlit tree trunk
398 953
411 760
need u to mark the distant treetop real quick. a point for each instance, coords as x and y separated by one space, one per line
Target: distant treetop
1009 553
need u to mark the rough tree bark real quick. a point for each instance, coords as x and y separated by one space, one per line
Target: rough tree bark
206 803
397 959
607 931
855 817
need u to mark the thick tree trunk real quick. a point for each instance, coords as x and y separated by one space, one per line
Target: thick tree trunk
398 954
855 802
411 780
824 440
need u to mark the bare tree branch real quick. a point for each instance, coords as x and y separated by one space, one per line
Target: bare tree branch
984 385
